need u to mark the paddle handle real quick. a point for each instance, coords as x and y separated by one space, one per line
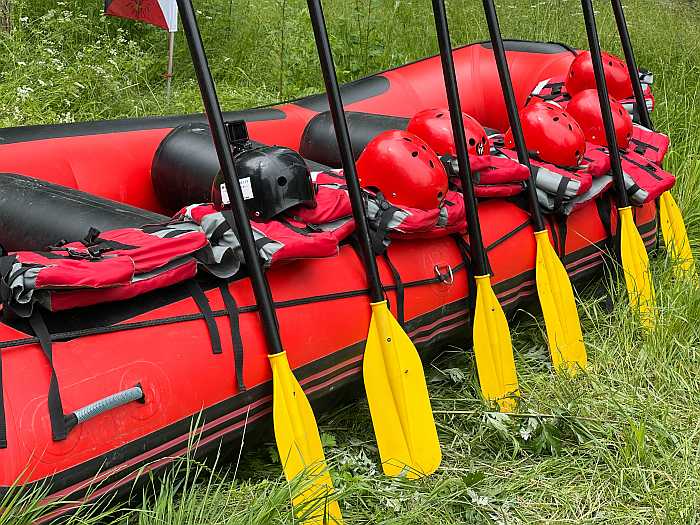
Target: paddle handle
212 109
476 243
340 125
512 109
604 98
623 30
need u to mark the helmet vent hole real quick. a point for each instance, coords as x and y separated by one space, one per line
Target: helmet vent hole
472 142
439 195
425 148
414 154
556 119
432 164
439 115
407 139
281 181
578 153
610 63
571 128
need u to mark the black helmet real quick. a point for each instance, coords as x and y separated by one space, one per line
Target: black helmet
272 178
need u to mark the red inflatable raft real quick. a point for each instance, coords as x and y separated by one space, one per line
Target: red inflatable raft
156 351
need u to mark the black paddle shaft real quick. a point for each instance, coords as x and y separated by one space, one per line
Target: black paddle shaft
604 98
476 243
212 109
512 109
340 124
623 30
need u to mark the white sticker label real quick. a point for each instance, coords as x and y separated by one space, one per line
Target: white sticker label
224 195
246 188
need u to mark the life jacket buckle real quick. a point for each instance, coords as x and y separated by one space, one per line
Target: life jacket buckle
446 278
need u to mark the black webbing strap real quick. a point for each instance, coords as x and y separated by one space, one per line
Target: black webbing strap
3 423
202 302
555 234
59 430
463 248
380 232
400 295
604 207
563 229
561 193
236 340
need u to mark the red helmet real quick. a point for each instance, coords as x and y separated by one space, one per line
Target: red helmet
435 127
551 134
581 76
405 169
585 108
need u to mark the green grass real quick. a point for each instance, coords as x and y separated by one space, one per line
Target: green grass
618 445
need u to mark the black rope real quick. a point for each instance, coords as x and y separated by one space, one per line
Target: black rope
508 235
236 340
58 422
202 303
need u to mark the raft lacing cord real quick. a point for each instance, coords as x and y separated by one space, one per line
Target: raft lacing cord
236 340
202 303
400 296
136 325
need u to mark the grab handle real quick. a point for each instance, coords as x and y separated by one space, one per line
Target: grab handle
130 395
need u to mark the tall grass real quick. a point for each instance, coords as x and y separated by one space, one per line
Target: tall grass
617 445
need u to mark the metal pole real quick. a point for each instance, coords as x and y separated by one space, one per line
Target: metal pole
341 131
512 109
604 98
476 243
169 74
216 122
622 29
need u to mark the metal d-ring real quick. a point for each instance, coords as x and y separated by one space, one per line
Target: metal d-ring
447 277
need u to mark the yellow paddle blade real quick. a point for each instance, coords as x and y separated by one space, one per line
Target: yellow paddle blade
559 308
299 443
676 237
398 399
635 265
493 348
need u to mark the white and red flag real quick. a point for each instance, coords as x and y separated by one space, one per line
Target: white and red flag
161 13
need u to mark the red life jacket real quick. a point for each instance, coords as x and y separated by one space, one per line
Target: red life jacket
556 185
554 90
494 175
650 144
109 266
284 238
645 181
